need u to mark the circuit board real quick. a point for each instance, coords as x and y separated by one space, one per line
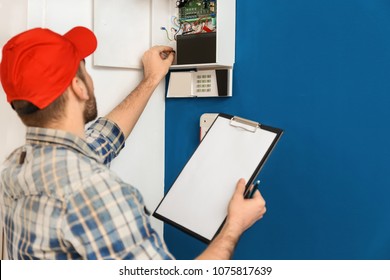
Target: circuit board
197 9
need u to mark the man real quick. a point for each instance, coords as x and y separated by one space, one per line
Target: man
60 199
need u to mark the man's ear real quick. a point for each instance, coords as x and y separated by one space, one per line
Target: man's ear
79 88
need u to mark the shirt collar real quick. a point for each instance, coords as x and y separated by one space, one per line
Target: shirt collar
60 137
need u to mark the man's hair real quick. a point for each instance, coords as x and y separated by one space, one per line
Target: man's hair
31 115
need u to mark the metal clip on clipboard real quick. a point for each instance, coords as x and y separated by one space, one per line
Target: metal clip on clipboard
244 124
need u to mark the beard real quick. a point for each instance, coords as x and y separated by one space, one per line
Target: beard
90 111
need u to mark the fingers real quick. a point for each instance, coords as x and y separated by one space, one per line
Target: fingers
168 56
156 62
240 186
241 190
258 199
164 52
257 194
162 48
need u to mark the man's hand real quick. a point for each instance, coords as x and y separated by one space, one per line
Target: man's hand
157 61
242 214
156 65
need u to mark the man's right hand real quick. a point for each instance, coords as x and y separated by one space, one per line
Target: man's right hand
242 214
157 61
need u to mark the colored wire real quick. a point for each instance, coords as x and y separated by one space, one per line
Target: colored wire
178 30
163 28
199 20
175 21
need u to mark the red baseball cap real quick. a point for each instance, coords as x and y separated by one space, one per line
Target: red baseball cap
39 64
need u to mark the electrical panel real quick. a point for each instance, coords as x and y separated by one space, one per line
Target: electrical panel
202 32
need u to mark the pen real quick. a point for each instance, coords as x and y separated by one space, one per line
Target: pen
251 191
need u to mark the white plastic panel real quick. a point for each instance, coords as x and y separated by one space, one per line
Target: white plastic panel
123 30
226 32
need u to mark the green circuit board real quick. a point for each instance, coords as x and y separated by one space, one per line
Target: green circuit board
196 9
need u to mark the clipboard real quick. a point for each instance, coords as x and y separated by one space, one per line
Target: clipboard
232 148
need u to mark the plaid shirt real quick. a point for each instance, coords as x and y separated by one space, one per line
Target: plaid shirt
61 201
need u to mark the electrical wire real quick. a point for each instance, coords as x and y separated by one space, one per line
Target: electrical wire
199 20
163 28
175 21
178 30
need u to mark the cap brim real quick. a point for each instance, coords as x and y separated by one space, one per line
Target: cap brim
83 39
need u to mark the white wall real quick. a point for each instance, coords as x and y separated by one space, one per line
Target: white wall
13 19
141 163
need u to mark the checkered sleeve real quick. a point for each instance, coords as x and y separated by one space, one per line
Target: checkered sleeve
106 219
106 139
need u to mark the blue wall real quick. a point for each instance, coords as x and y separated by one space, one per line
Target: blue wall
320 70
